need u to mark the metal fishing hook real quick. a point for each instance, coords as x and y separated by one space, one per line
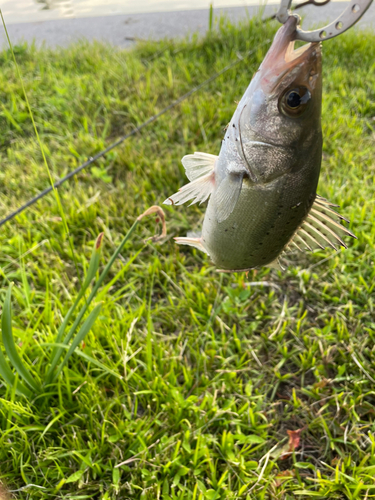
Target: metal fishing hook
353 13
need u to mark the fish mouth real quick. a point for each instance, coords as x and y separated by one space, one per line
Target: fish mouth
292 54
283 62
282 57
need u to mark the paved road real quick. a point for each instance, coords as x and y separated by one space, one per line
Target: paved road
122 30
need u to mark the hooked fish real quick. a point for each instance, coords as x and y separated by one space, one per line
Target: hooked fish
262 186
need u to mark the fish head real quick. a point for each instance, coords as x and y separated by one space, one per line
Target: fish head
279 115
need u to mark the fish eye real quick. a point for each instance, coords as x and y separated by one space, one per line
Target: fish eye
293 99
294 102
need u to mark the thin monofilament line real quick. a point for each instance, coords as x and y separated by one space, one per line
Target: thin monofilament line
153 118
52 187
92 159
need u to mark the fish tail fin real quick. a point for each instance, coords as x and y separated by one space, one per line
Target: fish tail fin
192 242
320 229
199 169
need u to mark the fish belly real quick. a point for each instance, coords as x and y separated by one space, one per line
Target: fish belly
261 225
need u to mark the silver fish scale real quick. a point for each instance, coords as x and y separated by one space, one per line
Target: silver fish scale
261 225
262 186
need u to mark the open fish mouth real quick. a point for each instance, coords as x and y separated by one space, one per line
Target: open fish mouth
291 53
283 57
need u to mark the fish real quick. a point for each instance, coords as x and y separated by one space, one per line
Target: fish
262 187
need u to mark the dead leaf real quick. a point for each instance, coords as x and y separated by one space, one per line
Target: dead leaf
3 492
293 444
160 218
283 476
322 383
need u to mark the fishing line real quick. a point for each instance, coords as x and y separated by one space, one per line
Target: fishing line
153 118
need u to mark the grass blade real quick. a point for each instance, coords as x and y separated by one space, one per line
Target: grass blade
94 262
211 18
5 371
94 291
10 379
84 330
85 306
54 190
97 363
10 347
88 358
90 275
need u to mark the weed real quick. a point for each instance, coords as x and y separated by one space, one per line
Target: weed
206 373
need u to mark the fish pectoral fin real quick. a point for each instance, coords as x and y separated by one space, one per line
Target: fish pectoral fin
320 229
199 169
192 242
198 191
227 194
198 165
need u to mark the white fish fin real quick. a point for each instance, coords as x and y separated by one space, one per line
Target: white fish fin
198 191
275 264
319 230
326 230
320 235
295 245
301 240
198 165
194 234
324 201
313 242
192 242
328 221
226 195
321 207
325 207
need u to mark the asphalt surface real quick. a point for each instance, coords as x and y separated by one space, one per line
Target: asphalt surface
124 30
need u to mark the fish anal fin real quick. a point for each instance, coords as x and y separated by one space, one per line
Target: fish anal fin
191 242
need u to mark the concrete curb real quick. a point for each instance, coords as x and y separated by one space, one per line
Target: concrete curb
123 30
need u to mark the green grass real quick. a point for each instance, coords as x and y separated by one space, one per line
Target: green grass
212 370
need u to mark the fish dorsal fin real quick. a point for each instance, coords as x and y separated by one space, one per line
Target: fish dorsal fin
320 229
191 242
226 195
199 169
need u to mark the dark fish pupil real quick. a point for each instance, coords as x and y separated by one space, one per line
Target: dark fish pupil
293 100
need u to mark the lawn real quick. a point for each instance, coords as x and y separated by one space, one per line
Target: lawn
202 383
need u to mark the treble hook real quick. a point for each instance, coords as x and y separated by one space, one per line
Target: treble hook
353 13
